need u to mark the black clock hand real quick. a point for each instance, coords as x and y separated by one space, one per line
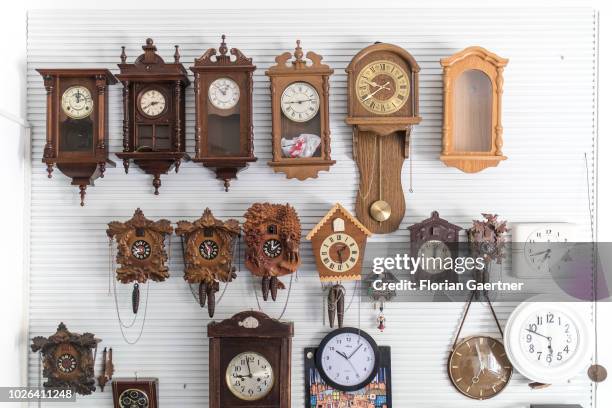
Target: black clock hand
249 367
546 337
354 351
342 354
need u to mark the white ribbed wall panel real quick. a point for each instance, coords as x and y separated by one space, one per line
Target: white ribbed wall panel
548 118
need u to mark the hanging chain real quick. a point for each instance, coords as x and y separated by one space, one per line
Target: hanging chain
367 193
410 160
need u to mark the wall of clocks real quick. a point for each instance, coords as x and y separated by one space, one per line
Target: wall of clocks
543 180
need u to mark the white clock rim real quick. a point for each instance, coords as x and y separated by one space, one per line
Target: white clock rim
209 93
546 375
235 393
318 102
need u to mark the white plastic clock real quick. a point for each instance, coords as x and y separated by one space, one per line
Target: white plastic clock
548 342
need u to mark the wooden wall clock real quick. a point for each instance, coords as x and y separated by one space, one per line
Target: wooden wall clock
153 112
208 250
301 145
68 359
272 235
224 111
77 124
250 362
135 393
383 105
472 131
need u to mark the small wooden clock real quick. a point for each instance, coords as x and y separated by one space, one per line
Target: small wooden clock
77 124
272 235
383 105
224 111
208 250
301 145
68 359
153 112
135 393
250 362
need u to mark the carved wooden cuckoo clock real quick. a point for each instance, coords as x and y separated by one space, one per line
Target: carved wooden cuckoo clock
383 106
153 112
272 235
68 359
300 115
224 111
77 124
208 250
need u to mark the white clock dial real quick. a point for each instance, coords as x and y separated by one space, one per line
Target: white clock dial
249 376
224 93
300 102
77 102
434 250
339 252
152 102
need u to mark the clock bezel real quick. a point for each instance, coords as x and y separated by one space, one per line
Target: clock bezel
353 265
228 78
395 93
309 85
92 107
159 89
228 377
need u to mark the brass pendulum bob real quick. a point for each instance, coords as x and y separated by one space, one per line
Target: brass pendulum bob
597 373
380 210
265 287
202 290
135 298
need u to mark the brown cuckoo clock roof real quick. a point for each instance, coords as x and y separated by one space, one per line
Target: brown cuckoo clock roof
342 212
150 66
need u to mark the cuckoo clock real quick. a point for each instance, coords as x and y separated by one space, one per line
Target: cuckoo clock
250 362
300 115
135 393
472 131
153 112
68 360
224 111
272 235
383 105
77 124
208 250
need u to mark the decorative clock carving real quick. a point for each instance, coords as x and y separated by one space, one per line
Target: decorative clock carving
272 236
301 145
383 106
135 393
153 112
224 111
77 124
68 359
208 251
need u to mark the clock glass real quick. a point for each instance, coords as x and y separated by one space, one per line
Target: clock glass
339 252
434 252
272 248
224 93
133 398
152 103
383 87
77 102
66 363
540 250
249 376
300 102
141 249
208 249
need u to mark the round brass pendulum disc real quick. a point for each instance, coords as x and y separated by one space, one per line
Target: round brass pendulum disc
597 373
380 210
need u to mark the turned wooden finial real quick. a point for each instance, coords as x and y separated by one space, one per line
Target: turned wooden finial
82 187
177 56
298 53
223 46
123 55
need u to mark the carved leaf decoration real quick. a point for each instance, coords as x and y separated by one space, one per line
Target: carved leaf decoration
487 238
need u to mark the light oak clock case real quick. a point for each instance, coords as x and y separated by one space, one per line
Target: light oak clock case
472 130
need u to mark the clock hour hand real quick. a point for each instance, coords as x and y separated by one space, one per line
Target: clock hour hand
546 337
342 354
380 88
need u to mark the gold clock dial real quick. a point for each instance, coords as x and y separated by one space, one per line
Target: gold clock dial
249 376
339 252
383 87
77 102
152 103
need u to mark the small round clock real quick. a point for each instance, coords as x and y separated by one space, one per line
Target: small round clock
249 376
433 250
272 248
141 249
152 103
133 398
383 87
300 102
339 252
347 359
66 363
224 93
548 342
208 249
77 102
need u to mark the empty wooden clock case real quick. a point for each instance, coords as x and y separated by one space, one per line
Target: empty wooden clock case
153 112
383 105
77 124
224 111
135 392
300 115
472 131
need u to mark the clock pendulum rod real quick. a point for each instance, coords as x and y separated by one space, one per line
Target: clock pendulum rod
380 210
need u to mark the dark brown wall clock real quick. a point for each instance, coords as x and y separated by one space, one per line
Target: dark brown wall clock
135 393
224 111
77 124
208 250
68 359
250 362
153 112
383 105
301 145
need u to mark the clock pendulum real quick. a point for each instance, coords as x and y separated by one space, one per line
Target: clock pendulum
380 209
335 304
108 368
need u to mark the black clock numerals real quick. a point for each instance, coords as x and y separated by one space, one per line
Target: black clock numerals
272 248
141 249
209 249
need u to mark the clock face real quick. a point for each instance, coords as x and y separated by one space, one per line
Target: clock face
133 398
347 359
272 248
141 249
383 87
339 252
434 250
209 249
77 102
479 367
224 93
66 363
152 103
249 376
300 102
541 253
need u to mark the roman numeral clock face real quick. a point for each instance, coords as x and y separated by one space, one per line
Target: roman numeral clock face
383 87
339 252
300 102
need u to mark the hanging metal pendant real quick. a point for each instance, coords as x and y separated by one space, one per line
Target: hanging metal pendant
274 287
597 373
265 287
335 304
135 298
202 289
210 292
